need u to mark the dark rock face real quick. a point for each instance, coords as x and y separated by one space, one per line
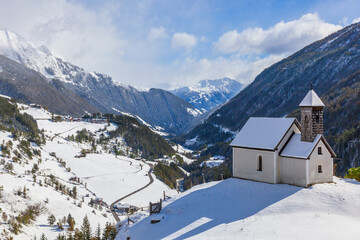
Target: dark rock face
331 65
19 82
207 94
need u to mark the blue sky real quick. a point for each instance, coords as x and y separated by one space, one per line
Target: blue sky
167 44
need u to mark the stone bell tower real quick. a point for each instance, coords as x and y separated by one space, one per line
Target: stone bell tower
311 116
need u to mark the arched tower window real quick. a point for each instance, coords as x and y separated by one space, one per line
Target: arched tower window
259 163
306 119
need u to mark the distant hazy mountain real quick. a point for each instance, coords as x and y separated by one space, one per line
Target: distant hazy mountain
207 94
332 65
156 106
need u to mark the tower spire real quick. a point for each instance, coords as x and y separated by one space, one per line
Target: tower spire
311 108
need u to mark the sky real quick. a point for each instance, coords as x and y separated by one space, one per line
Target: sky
174 43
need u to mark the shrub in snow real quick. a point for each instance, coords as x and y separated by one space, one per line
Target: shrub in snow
353 173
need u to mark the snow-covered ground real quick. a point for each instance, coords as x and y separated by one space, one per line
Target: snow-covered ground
108 176
105 176
54 201
241 209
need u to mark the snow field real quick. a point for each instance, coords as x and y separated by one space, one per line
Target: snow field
241 209
58 204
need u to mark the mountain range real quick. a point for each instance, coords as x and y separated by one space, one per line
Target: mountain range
98 91
207 94
331 65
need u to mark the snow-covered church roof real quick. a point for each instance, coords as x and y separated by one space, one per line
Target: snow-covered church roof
262 133
299 149
311 100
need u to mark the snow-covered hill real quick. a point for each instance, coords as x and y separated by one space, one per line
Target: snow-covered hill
207 94
100 174
241 209
156 106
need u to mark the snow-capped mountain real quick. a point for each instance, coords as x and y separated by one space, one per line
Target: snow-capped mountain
207 94
156 106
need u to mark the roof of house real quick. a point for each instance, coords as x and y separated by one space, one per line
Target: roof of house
311 100
299 149
263 133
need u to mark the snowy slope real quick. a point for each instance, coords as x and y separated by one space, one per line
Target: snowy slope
101 175
54 201
207 94
241 209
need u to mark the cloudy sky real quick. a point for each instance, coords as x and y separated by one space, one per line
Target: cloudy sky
170 43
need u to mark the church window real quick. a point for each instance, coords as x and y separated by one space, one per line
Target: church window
320 151
306 119
259 165
317 119
319 168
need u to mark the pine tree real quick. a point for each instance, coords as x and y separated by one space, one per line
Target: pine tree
74 192
69 217
24 192
71 223
98 232
43 237
51 219
86 229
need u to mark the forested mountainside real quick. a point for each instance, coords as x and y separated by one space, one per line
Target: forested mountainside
207 94
331 65
156 106
20 82
139 137
12 120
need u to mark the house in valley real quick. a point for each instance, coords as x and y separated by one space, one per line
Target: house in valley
282 150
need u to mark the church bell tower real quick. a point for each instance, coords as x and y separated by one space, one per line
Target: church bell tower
311 116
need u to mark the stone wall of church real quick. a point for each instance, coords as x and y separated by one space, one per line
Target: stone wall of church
311 123
245 164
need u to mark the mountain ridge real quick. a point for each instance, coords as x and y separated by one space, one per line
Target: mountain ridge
158 107
207 94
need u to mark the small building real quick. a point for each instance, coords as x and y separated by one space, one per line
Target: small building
123 207
282 150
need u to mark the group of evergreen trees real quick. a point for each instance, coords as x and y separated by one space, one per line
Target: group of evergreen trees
12 120
85 232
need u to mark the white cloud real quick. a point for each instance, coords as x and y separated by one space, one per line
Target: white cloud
356 20
156 33
281 38
183 40
243 69
344 21
83 36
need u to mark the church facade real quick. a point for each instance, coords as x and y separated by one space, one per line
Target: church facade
282 150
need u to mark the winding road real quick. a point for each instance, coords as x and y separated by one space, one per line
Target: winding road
113 204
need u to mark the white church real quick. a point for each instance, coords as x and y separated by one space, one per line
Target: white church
281 150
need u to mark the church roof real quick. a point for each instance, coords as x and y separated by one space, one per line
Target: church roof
299 149
311 100
262 133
